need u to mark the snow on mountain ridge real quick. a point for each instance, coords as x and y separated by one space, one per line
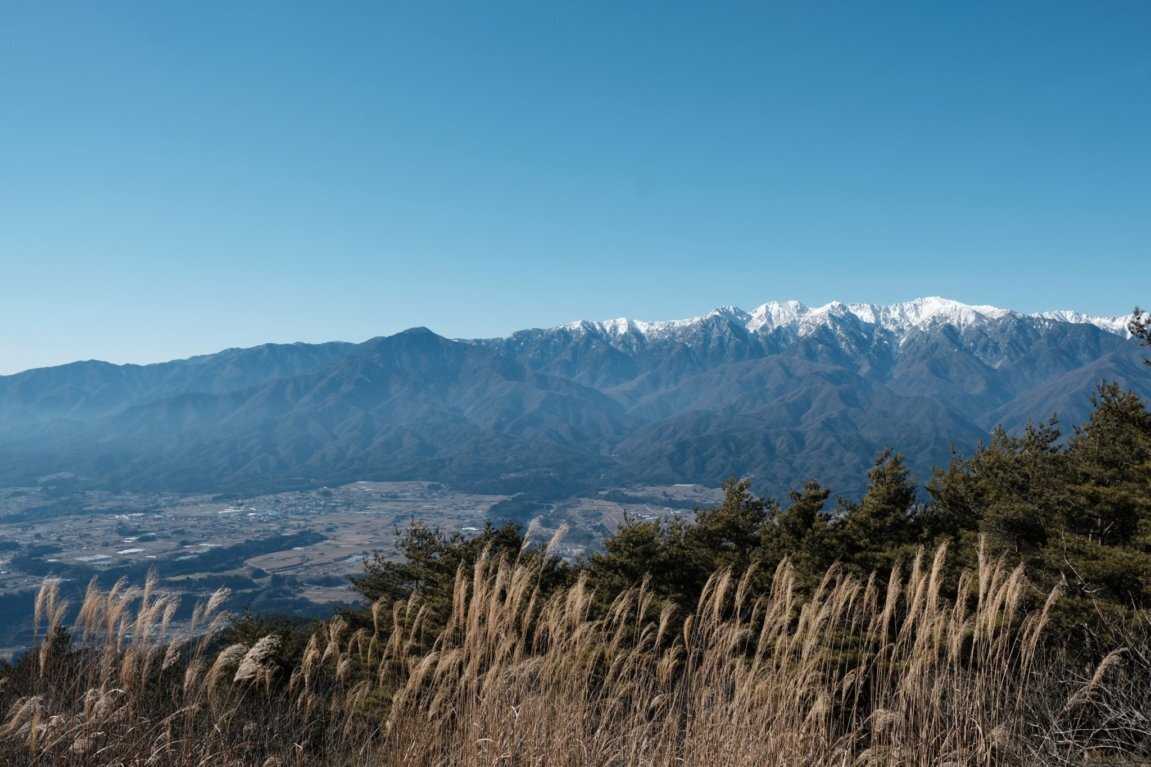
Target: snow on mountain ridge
776 314
899 319
1116 325
922 312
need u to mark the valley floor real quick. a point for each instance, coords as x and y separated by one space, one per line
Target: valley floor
256 546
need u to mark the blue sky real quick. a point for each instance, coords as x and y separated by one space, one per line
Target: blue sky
181 177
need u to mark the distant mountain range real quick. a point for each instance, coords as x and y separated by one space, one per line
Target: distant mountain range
782 393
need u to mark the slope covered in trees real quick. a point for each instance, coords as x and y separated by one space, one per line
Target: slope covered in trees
781 394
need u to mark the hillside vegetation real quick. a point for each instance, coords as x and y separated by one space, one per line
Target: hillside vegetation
1003 621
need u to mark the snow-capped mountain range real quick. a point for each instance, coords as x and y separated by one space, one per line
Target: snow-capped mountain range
782 393
898 319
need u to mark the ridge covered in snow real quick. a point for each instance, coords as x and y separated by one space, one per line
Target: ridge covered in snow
899 319
1116 325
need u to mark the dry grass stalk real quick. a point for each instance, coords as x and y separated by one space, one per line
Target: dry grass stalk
874 672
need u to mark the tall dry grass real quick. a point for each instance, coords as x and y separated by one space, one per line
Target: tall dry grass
876 672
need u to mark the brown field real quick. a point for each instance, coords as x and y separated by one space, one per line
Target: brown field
101 530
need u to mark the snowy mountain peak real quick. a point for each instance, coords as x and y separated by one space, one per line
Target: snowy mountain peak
922 312
776 314
729 313
1116 325
898 319
617 327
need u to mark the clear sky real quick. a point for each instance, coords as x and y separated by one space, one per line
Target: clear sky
181 177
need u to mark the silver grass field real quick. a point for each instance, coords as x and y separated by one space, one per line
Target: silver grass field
883 671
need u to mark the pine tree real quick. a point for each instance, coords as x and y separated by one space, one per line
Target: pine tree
431 560
1140 327
879 530
1105 531
802 533
651 550
729 534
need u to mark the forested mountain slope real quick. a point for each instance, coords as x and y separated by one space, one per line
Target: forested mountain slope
783 393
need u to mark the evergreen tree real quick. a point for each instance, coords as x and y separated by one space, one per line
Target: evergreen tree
803 532
648 550
730 534
1009 490
879 530
1074 512
431 560
1105 531
678 557
1110 456
1140 327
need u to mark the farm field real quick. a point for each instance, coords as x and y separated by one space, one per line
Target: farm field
290 552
